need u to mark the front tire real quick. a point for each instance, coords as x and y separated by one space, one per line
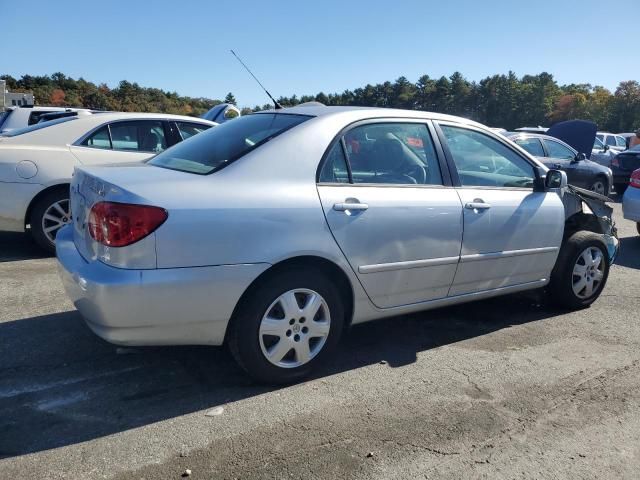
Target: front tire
600 185
49 215
287 326
581 271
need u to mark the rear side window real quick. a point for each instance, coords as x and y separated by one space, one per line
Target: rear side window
220 146
611 140
335 167
531 145
138 136
99 139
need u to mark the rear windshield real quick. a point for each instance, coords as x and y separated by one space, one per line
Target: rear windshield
37 126
219 146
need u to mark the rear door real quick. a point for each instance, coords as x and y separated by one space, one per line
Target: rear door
512 234
121 141
392 211
563 157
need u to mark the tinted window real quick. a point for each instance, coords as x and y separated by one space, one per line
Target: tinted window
531 145
484 161
335 166
396 153
34 117
557 150
188 129
142 136
611 140
219 146
99 139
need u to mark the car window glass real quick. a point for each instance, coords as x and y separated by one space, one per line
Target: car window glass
188 129
142 136
557 150
395 153
597 144
611 140
621 142
99 139
531 145
600 137
484 161
335 166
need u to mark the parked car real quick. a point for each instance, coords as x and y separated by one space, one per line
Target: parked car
602 154
281 228
36 162
613 141
631 200
622 165
19 117
221 113
554 153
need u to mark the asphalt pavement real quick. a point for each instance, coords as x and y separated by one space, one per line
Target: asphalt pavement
506 388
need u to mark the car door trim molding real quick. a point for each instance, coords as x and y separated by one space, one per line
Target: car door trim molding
386 267
477 257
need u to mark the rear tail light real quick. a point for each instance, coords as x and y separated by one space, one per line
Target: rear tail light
120 224
615 162
635 179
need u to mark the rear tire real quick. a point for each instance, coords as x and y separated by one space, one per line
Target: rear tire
581 271
270 335
48 215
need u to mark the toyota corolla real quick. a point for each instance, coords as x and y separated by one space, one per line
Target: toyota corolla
275 232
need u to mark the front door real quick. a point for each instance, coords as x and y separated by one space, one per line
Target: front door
512 234
385 202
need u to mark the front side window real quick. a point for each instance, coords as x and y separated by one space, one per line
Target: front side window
484 161
597 144
99 139
189 129
600 137
611 140
392 153
531 145
557 150
218 147
621 142
141 136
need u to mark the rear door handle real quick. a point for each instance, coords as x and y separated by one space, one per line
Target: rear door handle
477 205
343 207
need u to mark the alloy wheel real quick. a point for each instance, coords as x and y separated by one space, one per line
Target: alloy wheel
294 328
588 272
57 215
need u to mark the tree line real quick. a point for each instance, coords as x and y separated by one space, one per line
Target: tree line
506 101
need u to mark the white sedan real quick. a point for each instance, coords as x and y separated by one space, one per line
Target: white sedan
37 162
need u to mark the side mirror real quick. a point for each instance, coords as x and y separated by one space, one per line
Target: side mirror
580 157
555 179
605 148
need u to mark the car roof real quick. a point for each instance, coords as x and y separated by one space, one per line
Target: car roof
363 113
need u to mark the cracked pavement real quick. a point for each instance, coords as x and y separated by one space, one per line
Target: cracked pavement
506 388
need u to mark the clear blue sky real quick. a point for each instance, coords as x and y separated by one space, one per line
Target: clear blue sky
306 47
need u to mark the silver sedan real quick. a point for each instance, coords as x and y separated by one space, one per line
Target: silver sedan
275 232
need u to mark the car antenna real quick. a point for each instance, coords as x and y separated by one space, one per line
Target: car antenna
275 102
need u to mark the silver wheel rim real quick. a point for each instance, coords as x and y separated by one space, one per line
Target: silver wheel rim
598 187
588 272
57 215
294 328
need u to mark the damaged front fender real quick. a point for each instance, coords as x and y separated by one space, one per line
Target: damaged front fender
587 210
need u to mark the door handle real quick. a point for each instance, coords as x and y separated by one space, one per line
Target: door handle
477 204
349 206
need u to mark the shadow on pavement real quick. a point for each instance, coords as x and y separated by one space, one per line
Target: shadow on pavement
629 255
19 246
61 385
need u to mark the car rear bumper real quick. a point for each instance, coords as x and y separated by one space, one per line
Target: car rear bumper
631 204
174 306
15 198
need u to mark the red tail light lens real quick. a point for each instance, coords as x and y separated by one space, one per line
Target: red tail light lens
635 179
121 224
